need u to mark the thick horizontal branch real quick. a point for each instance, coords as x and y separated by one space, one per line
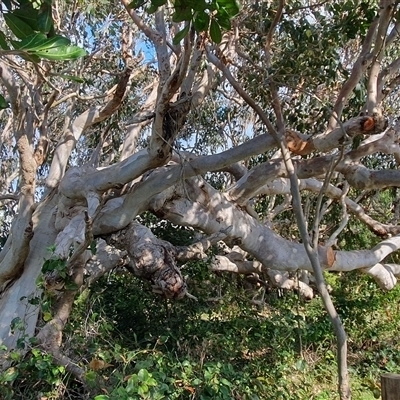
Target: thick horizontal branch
363 125
212 212
119 213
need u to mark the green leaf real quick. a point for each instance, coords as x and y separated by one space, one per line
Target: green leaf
152 9
158 3
215 32
143 375
181 34
18 27
15 356
142 390
225 382
10 374
225 24
231 7
29 15
93 247
39 42
3 41
223 20
35 301
17 324
61 53
45 19
53 42
49 265
301 365
182 14
91 376
47 316
201 21
34 341
197 5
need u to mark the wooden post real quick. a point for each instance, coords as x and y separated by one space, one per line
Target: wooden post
390 384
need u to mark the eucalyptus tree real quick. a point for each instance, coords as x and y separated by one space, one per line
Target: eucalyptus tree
215 117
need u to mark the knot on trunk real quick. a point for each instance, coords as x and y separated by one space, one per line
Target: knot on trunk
169 282
155 263
298 143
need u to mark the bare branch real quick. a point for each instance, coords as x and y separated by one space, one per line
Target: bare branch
387 9
360 66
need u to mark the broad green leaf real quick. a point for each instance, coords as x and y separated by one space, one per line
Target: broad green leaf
158 3
29 15
182 14
197 5
3 41
231 7
15 356
301 365
152 9
3 103
143 375
18 27
226 382
228 3
215 32
40 41
45 19
32 42
224 23
181 34
10 374
61 53
91 376
47 317
33 341
201 21
35 301
17 324
50 265
223 20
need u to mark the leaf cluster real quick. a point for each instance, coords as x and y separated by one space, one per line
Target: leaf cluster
212 16
32 24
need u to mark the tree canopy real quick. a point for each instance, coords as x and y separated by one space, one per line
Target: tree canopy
260 139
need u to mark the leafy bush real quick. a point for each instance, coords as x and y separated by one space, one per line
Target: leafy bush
135 345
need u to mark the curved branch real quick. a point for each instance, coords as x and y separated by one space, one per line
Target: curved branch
360 66
75 129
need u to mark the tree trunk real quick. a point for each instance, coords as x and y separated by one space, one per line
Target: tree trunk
17 300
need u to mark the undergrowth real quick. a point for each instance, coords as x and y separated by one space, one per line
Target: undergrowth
135 345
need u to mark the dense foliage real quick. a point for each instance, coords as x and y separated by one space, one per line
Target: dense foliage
223 348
